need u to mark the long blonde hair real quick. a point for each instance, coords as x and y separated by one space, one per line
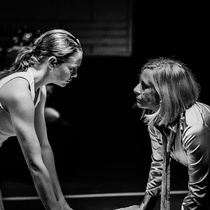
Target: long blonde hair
176 87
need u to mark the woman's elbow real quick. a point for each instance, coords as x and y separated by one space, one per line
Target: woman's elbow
35 166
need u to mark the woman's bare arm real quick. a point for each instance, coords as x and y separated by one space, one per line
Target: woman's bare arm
47 153
17 100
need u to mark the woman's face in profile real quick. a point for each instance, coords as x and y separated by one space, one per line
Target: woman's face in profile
146 96
66 71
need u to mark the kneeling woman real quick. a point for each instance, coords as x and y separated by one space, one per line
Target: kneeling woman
168 95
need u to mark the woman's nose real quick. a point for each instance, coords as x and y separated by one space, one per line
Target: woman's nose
137 89
74 73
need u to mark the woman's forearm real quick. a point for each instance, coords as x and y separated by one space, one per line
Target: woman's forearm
44 187
48 158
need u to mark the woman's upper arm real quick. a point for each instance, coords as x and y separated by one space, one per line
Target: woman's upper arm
41 105
18 102
196 144
156 144
40 124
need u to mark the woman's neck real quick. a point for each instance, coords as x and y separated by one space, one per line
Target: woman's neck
39 77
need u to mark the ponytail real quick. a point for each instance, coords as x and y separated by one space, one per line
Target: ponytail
21 63
57 42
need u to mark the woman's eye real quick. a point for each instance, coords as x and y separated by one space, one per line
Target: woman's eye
144 85
72 70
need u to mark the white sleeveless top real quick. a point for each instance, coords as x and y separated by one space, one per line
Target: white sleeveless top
6 127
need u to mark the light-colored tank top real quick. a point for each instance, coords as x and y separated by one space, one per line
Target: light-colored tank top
6 127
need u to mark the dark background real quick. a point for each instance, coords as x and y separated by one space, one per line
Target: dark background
104 138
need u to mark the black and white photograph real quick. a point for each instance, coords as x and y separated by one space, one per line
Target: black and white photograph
104 105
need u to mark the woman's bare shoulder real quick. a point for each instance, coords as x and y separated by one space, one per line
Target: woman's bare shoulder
15 90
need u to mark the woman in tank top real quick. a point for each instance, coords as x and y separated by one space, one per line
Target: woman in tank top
54 58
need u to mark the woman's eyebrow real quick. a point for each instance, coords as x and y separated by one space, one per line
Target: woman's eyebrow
145 84
143 81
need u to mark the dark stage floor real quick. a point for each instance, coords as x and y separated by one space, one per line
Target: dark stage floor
105 193
88 196
105 203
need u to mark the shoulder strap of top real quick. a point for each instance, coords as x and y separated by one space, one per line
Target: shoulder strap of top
26 75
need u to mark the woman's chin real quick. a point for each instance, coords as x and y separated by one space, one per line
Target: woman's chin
63 84
139 105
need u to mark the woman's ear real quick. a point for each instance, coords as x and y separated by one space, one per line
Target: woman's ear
52 61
